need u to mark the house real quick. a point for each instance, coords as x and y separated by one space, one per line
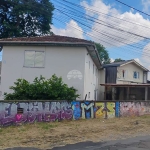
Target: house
75 60
123 81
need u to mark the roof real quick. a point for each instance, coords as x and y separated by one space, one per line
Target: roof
116 64
125 85
122 63
54 40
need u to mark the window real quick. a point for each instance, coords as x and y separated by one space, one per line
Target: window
136 75
34 59
123 73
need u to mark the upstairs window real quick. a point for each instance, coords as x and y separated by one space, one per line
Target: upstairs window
34 59
136 75
123 73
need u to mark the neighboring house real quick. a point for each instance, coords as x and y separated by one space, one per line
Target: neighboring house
75 60
122 74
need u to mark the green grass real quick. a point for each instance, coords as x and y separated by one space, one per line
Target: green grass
46 126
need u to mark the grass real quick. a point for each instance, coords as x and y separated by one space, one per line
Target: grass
66 132
47 126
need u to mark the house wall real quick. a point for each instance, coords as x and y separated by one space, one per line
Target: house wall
58 60
90 79
102 81
129 68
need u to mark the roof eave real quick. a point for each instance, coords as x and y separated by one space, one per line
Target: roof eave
133 61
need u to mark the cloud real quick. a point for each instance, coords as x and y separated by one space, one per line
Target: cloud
112 60
146 6
72 29
110 37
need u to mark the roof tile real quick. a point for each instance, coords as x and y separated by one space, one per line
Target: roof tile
53 38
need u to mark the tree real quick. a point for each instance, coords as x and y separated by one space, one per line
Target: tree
42 89
118 60
22 18
103 53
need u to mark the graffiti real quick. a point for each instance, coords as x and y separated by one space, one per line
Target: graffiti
110 110
20 113
117 109
87 110
134 108
76 110
100 113
36 111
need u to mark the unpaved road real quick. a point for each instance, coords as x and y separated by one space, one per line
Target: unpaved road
138 143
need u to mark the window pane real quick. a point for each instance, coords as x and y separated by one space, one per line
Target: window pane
39 59
135 75
29 58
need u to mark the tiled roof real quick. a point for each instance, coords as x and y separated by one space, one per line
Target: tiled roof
52 38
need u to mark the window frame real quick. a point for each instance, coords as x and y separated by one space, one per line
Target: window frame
137 75
42 51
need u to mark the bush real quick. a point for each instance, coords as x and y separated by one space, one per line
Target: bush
42 89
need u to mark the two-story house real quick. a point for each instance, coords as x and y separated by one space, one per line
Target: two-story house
123 81
75 60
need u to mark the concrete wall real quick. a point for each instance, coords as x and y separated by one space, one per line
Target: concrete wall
10 113
129 68
58 60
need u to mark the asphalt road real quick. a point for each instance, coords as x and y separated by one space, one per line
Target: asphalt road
138 143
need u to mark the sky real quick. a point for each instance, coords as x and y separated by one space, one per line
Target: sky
123 31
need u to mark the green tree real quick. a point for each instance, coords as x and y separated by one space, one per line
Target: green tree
118 60
42 89
22 18
103 53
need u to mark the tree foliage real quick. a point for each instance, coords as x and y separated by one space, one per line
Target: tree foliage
21 18
42 89
103 53
118 60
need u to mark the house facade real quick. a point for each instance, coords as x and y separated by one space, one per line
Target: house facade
121 74
75 60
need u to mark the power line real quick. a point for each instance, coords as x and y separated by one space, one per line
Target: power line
104 40
96 37
109 25
91 10
80 17
119 41
98 31
132 7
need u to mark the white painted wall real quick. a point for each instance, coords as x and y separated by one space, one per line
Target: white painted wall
91 78
130 68
58 60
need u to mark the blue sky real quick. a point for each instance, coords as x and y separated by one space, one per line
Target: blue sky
76 22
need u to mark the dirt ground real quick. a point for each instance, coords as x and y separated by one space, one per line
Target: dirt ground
48 135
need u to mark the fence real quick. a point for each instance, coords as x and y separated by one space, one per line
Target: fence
13 113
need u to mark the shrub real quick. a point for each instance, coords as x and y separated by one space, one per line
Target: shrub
42 89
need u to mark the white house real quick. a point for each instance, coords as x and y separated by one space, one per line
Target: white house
129 78
75 60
